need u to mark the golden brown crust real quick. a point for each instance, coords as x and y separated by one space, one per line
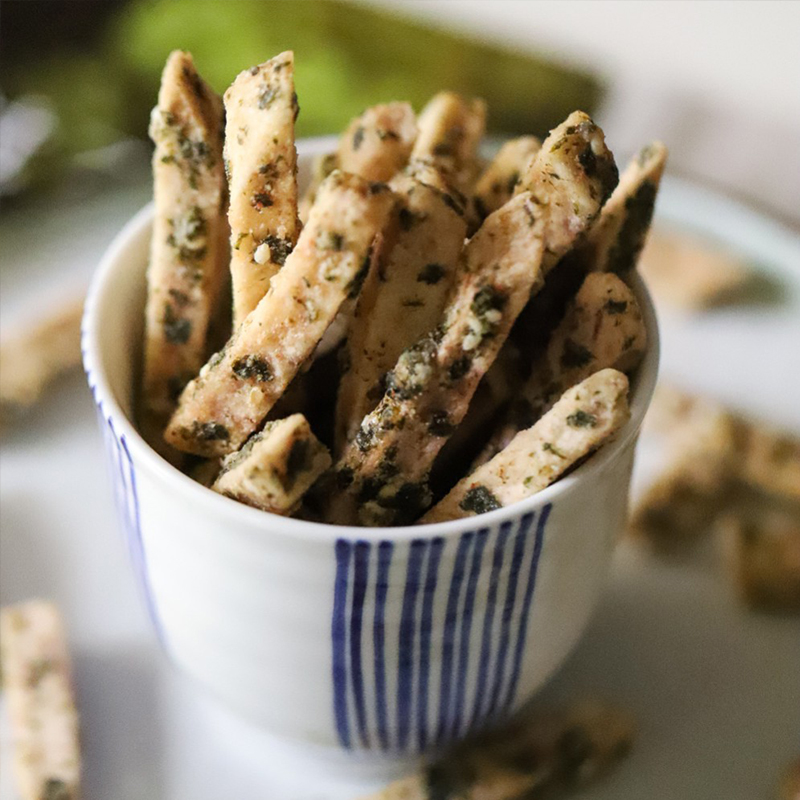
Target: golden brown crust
236 390
41 706
584 418
384 470
261 107
275 467
402 299
187 254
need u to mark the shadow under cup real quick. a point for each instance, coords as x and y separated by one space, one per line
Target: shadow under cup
383 642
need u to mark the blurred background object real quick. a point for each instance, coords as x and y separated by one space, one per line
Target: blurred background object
714 79
93 73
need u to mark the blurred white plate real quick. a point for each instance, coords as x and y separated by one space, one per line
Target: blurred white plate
716 689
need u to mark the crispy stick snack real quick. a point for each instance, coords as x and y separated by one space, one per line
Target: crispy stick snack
602 327
275 467
450 132
616 240
762 547
188 251
689 273
377 144
382 474
545 756
37 683
402 299
756 453
496 185
585 417
30 359
236 390
261 108
683 502
717 456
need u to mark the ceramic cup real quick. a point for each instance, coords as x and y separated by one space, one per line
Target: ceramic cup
375 643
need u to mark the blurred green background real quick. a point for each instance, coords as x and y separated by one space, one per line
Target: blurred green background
94 65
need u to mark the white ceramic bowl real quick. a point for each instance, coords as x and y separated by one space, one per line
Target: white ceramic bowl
376 642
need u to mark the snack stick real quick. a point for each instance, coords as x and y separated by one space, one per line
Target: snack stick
683 502
377 144
450 132
261 108
616 240
187 258
691 273
602 327
429 389
235 391
382 474
755 454
41 706
584 418
770 460
402 299
275 467
32 357
321 166
532 757
495 186
574 172
762 546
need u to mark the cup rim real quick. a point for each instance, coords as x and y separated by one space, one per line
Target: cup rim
103 283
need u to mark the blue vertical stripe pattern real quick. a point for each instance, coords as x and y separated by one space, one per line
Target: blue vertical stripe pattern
126 501
433 625
508 613
526 606
339 640
406 643
450 628
360 583
466 630
385 550
425 628
488 621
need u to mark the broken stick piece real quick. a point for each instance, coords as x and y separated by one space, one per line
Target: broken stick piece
31 358
44 720
275 467
586 417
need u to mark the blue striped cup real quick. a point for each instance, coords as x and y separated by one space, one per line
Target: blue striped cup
376 643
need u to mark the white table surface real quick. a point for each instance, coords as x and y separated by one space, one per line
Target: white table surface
716 689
